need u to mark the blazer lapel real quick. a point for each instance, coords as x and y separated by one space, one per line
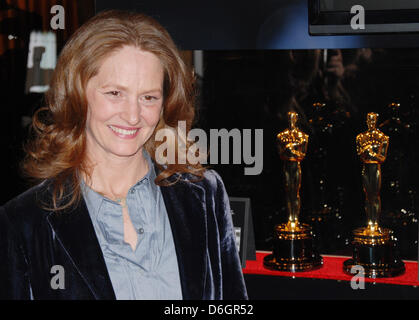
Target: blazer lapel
186 209
76 233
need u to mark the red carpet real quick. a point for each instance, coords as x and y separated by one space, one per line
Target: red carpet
332 269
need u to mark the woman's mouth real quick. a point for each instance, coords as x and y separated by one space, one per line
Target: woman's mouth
124 133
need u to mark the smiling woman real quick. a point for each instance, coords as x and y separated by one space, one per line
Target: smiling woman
130 111
119 224
110 64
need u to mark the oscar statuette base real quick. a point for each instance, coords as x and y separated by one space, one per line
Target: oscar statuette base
293 249
376 252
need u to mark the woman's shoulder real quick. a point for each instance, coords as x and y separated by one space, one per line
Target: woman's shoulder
27 204
210 180
30 195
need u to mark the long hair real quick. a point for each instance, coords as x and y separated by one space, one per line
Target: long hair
57 147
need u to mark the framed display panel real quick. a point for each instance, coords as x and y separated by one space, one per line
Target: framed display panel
243 228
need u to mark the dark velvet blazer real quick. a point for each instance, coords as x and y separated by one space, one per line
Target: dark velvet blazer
33 240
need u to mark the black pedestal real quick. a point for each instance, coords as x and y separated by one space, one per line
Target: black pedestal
293 249
376 253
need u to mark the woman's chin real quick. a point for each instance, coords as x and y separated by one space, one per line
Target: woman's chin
126 152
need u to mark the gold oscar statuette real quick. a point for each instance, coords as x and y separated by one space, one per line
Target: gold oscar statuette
293 248
374 248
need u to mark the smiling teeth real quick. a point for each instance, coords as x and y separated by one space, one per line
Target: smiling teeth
123 131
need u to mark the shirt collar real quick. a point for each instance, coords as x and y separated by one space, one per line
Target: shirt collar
149 177
94 197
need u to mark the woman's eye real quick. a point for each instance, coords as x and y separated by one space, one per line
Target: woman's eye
150 99
114 93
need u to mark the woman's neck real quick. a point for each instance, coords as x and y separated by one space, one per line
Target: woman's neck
113 176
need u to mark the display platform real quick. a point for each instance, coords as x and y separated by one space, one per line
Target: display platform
332 269
326 283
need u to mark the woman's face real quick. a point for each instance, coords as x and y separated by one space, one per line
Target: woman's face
124 103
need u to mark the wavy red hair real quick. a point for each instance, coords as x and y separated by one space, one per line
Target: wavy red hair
57 147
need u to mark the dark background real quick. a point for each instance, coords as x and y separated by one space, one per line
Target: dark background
246 24
18 19
255 89
251 80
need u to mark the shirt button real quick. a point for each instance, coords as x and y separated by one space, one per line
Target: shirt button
141 230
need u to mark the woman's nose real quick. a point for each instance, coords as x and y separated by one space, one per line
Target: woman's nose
132 112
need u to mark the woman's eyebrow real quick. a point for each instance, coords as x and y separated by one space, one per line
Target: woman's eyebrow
114 85
124 88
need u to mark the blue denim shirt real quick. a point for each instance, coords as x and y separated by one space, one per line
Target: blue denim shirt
151 271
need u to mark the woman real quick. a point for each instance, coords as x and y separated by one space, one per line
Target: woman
108 221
